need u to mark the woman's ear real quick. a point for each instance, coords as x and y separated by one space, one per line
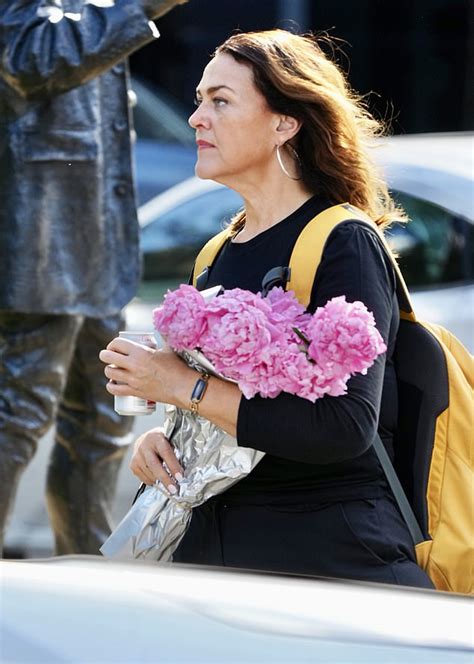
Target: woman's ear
288 127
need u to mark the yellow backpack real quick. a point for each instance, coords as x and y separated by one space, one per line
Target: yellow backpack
432 474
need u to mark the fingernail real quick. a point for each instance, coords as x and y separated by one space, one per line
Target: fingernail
179 477
172 489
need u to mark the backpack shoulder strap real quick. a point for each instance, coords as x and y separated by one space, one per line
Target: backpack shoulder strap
304 263
208 253
307 252
309 247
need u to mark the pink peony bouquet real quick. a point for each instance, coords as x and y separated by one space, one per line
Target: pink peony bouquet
269 345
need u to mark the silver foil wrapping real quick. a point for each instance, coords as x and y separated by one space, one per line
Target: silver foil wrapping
212 462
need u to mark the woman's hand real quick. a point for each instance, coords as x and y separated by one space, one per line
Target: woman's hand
139 371
151 451
160 375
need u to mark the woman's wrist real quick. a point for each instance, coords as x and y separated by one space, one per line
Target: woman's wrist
185 388
199 390
218 400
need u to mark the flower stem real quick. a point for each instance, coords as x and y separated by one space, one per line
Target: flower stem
300 334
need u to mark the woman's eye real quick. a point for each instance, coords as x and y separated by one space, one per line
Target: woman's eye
217 101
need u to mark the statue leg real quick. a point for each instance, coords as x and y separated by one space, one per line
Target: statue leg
91 442
35 351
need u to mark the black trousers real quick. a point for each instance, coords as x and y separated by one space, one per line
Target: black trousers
358 539
50 374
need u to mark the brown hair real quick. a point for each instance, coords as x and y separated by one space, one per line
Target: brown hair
296 78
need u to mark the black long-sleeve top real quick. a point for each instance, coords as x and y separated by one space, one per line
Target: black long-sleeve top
322 448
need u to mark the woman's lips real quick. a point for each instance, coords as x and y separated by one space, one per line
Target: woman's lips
204 145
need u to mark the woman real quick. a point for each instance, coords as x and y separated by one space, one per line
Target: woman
277 122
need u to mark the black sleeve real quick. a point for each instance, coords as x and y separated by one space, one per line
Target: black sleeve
45 51
332 429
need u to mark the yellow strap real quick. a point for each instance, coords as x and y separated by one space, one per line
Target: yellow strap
307 252
206 256
309 247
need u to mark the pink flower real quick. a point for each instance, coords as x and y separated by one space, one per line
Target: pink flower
285 308
267 376
269 345
238 332
181 319
307 380
343 338
286 312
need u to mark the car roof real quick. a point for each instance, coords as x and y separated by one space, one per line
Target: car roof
78 603
449 152
434 167
176 195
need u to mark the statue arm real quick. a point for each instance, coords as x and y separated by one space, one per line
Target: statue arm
156 8
46 50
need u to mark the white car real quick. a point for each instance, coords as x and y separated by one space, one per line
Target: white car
87 610
432 176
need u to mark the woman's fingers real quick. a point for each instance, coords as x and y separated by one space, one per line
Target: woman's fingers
118 389
122 346
152 451
121 352
138 464
110 357
143 475
166 452
147 373
114 373
159 473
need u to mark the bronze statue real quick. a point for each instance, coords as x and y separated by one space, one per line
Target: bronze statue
69 257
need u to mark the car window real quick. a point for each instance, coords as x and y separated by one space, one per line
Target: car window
436 247
192 222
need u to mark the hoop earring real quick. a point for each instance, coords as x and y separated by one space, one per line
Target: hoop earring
281 164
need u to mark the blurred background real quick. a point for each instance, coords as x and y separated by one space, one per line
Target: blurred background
417 57
415 63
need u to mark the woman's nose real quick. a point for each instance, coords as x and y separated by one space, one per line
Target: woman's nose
197 119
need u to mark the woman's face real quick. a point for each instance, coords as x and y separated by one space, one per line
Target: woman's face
235 129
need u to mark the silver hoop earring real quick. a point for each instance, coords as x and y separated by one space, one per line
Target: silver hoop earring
281 164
